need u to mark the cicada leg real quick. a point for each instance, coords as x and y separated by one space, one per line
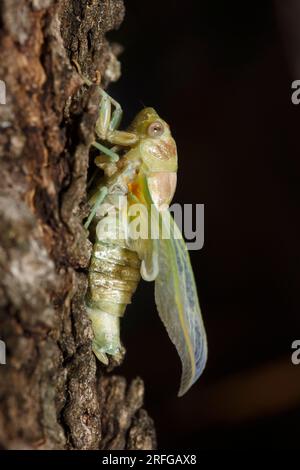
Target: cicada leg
106 130
110 156
108 122
99 199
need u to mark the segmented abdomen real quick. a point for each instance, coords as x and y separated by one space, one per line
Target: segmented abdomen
114 274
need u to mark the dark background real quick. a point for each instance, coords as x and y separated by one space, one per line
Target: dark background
220 73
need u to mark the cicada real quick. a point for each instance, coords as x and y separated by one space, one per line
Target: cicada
139 167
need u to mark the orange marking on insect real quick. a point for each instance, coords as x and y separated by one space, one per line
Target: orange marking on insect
135 189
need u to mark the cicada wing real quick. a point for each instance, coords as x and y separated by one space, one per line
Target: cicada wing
148 254
178 305
145 245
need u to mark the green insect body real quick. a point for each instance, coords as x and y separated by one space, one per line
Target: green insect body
140 166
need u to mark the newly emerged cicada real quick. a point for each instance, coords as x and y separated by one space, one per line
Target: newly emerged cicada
140 168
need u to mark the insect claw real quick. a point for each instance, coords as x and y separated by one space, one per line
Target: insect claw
100 355
96 80
83 78
98 77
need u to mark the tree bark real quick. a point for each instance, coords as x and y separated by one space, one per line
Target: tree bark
53 394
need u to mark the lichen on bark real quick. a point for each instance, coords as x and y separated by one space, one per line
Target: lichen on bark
53 395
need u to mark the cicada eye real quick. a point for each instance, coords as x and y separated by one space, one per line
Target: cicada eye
155 129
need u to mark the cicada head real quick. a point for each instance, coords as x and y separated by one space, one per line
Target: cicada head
158 153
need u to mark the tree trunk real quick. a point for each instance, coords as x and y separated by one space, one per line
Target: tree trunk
53 393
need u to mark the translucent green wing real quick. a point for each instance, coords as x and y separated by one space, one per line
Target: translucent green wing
177 303
167 261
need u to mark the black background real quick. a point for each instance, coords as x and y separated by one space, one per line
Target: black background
220 73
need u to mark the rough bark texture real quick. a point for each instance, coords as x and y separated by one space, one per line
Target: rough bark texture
53 395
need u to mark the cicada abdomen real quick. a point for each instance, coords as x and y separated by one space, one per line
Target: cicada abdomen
114 274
